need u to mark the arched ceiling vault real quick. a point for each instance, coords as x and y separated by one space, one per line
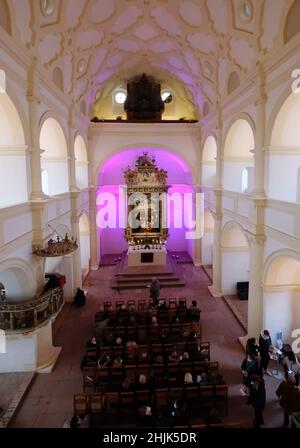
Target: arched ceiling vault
198 43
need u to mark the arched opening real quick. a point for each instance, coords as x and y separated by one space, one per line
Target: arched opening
237 154
208 239
111 178
58 78
54 158
85 252
13 179
81 163
292 23
235 257
5 20
282 296
209 162
18 287
233 82
283 158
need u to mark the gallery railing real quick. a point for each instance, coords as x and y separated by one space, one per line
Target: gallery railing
30 314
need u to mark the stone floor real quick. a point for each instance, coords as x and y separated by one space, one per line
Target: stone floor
49 402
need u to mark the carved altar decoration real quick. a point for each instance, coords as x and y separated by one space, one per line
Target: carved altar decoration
150 181
143 100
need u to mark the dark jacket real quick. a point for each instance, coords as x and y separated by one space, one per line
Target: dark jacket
257 396
264 346
289 397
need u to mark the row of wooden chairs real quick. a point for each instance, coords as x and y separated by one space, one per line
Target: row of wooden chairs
142 304
144 333
194 349
96 378
128 402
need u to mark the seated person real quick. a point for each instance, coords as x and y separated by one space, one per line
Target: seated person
127 384
179 413
185 356
159 359
131 349
117 362
174 356
188 379
194 311
91 343
101 328
144 418
143 383
162 305
119 341
202 379
79 299
182 304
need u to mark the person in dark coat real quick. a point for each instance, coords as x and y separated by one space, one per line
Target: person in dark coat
265 344
289 395
252 348
155 290
249 367
79 298
257 399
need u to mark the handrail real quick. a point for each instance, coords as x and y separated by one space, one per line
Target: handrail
29 315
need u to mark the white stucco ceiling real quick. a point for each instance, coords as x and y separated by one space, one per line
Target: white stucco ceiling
198 42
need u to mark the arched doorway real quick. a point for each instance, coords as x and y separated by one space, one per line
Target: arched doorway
283 157
238 156
13 179
110 180
54 158
209 162
235 257
84 232
282 294
81 163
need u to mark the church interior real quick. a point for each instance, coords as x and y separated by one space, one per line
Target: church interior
149 213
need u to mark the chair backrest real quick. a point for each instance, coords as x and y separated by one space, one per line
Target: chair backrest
161 397
96 402
81 404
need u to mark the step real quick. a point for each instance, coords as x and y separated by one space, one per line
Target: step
145 279
135 285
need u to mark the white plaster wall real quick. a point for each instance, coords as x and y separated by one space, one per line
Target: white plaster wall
207 247
282 175
57 177
208 174
282 313
232 179
13 180
235 268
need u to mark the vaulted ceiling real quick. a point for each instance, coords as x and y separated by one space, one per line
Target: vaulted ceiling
199 42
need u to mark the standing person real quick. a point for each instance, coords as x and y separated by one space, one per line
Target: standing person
265 343
252 348
289 395
292 368
155 290
257 398
79 299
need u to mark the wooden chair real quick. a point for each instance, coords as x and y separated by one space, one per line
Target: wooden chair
131 302
102 379
119 304
126 402
112 403
161 398
89 378
142 397
142 304
173 303
96 403
81 404
107 304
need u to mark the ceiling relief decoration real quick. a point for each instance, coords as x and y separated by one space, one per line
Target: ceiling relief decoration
195 42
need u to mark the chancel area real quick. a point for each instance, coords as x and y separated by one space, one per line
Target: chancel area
149 214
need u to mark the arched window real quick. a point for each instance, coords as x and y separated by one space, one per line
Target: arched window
247 179
292 24
5 21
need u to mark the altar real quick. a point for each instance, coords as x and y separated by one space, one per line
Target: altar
147 257
146 232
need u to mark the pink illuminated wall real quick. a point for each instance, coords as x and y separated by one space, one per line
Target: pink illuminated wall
111 178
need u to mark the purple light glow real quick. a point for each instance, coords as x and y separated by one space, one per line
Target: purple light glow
111 177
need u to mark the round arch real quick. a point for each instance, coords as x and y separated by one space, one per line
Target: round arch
209 163
284 154
13 154
190 167
81 162
18 280
239 145
235 257
281 293
54 158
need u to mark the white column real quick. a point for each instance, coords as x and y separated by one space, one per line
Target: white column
259 159
94 239
34 146
71 160
68 272
255 300
216 288
77 270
